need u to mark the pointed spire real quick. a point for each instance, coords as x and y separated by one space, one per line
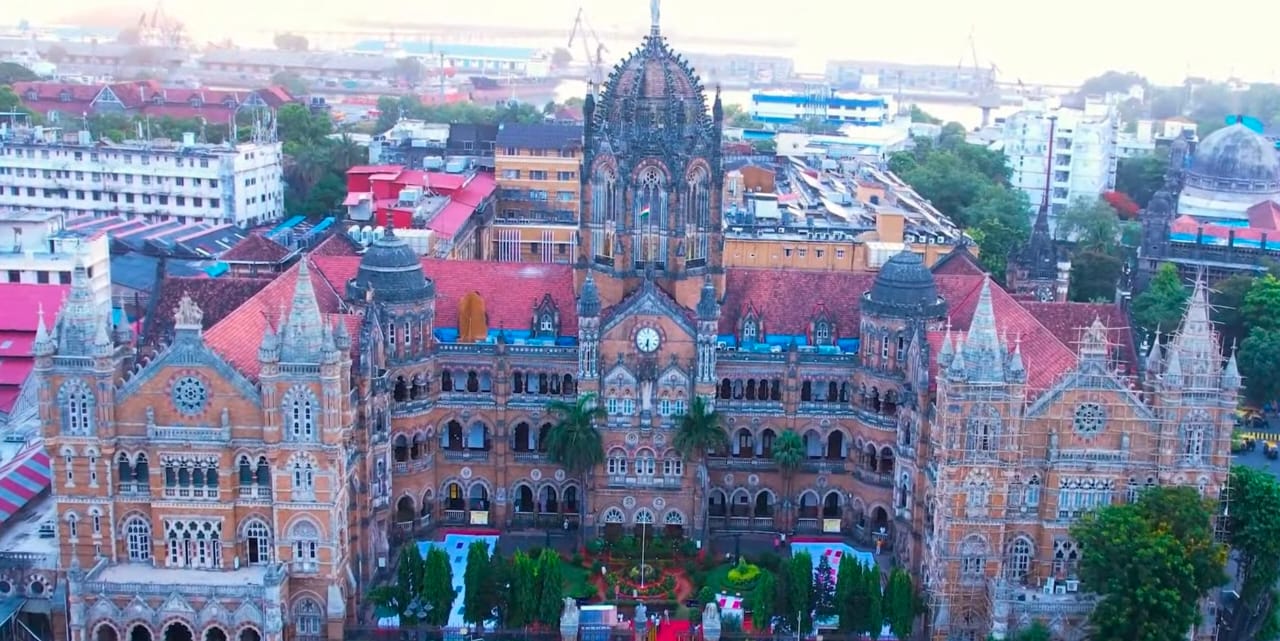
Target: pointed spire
302 334
342 337
1094 347
80 319
328 348
1231 373
123 332
1017 370
1173 369
982 343
589 298
1196 342
44 345
102 339
708 307
269 348
1155 357
947 352
655 17
957 370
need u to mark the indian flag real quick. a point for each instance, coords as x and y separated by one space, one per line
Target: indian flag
644 214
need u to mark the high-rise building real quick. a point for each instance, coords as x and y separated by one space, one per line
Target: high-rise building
538 168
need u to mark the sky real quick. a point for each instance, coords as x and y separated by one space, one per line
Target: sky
1031 40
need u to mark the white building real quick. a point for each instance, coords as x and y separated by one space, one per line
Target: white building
838 108
1148 134
45 170
35 248
868 144
1084 152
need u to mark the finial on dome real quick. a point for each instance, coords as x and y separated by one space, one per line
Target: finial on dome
655 16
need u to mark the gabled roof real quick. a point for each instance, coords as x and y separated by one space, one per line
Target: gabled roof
217 298
1265 215
787 301
1067 321
958 262
256 248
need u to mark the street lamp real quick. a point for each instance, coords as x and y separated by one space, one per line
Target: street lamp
643 527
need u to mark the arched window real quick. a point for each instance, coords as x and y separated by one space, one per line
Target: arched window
75 400
1033 491
308 618
1017 563
981 431
137 532
257 538
616 464
973 558
1196 428
306 542
73 525
300 414
304 478
95 519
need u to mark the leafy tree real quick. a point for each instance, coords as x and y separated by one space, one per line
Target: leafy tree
1091 223
388 113
1139 177
550 587
11 72
410 70
824 588
1162 304
1254 530
522 608
1165 102
1112 82
500 571
850 598
292 82
785 621
437 589
410 580
478 588
291 42
1257 358
788 453
800 599
700 431
1150 562
900 603
1094 275
922 116
875 602
952 136
1261 309
1037 631
1227 298
9 100
762 601
574 443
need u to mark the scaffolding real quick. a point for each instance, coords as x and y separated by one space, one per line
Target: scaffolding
1011 466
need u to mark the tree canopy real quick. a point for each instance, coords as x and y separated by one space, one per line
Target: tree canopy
1259 317
1150 562
392 108
291 42
11 72
1254 530
1139 177
1161 306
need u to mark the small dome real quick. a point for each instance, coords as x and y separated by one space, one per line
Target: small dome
1237 154
904 287
392 270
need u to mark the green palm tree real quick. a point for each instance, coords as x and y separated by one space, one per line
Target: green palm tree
574 443
700 431
789 454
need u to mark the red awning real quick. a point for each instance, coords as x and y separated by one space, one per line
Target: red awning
22 478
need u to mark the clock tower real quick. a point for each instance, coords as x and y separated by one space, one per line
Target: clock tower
651 177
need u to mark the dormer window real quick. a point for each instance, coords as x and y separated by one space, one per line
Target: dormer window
32 94
157 99
750 332
546 319
196 101
822 333
64 96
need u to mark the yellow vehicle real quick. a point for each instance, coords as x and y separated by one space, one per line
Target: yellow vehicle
1269 448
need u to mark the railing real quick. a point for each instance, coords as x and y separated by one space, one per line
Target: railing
743 405
823 466
455 517
305 567
671 482
741 356
808 525
478 456
873 478
423 462
409 408
255 492
546 520
876 419
530 457
743 464
133 489
191 492
824 407
196 434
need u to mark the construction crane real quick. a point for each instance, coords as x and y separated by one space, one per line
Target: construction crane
583 32
156 28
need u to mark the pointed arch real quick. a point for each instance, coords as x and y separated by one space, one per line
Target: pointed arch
76 404
300 407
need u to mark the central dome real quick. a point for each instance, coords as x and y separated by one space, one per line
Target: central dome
905 287
390 272
1235 158
651 93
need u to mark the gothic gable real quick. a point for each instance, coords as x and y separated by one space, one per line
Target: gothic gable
138 609
620 377
188 353
546 319
1104 383
650 300
176 604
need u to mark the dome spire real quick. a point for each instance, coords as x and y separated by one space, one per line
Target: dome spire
655 17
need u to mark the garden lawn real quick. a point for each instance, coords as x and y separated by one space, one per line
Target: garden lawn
718 578
577 581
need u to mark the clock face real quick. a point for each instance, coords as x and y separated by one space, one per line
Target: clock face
647 339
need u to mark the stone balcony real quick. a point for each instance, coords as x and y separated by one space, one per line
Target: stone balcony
246 583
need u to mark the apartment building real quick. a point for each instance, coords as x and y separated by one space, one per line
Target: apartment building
1082 143
537 167
36 248
44 169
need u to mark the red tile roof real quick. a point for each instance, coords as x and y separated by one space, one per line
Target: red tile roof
510 290
256 248
451 218
336 244
786 304
21 302
1067 321
237 335
1265 215
144 97
216 297
958 262
14 344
